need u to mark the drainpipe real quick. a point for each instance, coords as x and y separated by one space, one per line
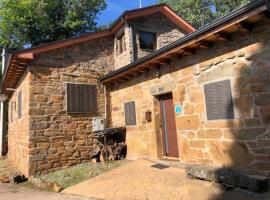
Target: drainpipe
2 121
105 112
268 4
132 44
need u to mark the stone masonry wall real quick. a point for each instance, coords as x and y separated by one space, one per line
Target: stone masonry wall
50 138
18 128
242 142
59 139
125 57
166 31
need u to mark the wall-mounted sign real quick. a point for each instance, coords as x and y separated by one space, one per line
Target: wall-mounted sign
178 109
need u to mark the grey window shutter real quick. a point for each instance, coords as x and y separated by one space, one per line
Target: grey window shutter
81 98
19 104
130 113
218 98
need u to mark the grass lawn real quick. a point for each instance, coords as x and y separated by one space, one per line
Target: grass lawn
76 174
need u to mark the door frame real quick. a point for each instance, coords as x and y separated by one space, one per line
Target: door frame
164 144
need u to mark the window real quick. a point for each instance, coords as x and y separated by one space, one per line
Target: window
218 98
20 104
130 113
147 40
120 45
81 98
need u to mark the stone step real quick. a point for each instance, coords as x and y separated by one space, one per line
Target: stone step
231 177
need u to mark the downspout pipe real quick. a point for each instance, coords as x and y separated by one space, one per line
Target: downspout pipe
267 2
132 43
105 111
2 110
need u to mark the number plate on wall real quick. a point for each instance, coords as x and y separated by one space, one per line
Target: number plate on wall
162 88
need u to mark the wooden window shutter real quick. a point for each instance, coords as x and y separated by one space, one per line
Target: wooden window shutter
130 113
19 104
218 98
81 98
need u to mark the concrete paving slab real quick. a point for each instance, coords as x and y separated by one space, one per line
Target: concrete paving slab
137 180
17 192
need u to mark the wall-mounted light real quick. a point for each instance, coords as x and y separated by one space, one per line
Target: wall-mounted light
3 97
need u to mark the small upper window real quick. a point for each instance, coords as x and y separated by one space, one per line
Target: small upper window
121 46
147 40
218 98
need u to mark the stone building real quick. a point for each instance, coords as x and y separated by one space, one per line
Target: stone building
192 96
203 99
54 92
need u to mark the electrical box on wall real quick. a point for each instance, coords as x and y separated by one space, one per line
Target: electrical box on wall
98 123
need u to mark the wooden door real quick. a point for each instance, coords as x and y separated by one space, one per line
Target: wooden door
169 137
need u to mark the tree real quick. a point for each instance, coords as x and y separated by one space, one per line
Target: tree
26 23
202 12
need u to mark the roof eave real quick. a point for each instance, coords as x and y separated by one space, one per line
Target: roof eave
212 26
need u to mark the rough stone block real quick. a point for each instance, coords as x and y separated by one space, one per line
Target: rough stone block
44 145
57 144
188 122
253 122
224 153
243 134
210 134
36 90
197 143
39 125
229 177
196 97
41 98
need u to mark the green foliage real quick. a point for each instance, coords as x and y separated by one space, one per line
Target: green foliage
33 22
202 12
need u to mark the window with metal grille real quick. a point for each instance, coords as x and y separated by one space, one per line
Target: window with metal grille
20 104
81 98
218 98
130 113
147 40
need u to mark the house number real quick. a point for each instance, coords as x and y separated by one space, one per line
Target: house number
161 89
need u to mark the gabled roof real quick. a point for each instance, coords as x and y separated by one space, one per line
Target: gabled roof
218 30
20 59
